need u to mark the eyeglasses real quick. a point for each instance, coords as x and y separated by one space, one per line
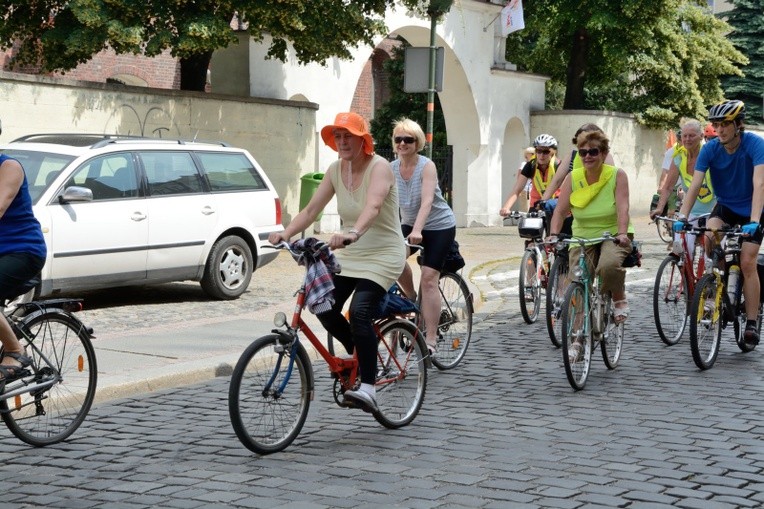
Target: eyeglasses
594 152
408 140
543 151
723 123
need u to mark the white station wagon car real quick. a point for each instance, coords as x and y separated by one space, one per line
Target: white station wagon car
119 211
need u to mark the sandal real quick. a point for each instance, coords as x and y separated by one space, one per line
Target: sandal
10 372
575 351
620 314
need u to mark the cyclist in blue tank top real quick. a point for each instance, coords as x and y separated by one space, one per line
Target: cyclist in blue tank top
22 256
735 160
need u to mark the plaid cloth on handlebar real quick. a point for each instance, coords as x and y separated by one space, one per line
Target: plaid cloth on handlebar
321 265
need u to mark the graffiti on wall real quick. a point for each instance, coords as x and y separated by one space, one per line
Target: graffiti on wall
154 122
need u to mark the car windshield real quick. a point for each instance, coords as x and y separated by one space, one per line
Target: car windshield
41 168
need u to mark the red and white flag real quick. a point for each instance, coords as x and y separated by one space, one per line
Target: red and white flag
512 17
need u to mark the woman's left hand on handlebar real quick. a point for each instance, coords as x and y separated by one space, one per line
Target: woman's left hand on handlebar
623 240
415 238
340 240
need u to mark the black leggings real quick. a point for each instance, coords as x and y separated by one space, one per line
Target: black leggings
359 332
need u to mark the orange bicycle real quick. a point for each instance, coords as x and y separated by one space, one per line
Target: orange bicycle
272 384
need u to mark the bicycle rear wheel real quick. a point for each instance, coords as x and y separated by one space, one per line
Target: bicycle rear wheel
401 373
50 415
577 359
455 323
555 291
705 321
612 339
530 289
670 301
268 398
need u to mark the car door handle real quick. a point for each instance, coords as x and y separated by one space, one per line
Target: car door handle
207 210
138 216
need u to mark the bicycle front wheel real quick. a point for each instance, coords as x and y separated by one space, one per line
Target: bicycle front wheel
555 292
576 340
530 289
670 301
64 364
665 230
269 396
401 373
612 338
705 321
455 323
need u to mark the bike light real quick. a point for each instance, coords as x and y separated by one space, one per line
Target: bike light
279 320
578 271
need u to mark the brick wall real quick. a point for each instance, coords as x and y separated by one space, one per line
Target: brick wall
162 71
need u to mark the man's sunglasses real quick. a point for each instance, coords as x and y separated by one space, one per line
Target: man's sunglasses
723 123
594 152
408 140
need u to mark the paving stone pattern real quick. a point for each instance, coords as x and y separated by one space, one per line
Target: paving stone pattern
504 429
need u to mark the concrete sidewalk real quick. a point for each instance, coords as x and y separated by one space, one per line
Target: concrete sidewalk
195 341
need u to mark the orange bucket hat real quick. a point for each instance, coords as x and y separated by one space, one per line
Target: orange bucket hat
355 124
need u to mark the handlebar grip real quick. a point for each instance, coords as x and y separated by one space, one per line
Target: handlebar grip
347 242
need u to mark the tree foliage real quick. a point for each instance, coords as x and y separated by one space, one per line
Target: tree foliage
658 59
58 35
747 21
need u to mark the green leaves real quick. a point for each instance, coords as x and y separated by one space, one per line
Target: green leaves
659 59
191 29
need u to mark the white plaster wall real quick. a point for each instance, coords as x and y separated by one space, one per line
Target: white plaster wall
479 98
636 149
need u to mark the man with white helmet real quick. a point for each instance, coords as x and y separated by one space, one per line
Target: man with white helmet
539 171
735 160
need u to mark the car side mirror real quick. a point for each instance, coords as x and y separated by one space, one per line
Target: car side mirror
75 194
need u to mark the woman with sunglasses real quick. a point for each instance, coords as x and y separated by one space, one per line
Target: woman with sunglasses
598 196
426 219
539 171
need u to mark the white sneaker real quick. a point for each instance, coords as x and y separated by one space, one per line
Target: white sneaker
362 400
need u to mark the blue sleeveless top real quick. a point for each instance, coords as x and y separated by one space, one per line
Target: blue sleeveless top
20 231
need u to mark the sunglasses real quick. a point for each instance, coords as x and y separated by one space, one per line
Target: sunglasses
543 151
594 152
723 123
408 140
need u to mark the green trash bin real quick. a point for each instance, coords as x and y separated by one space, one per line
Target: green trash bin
308 185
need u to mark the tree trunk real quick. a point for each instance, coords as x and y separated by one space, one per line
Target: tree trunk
193 71
574 92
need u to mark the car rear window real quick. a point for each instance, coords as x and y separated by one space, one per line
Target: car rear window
41 168
230 172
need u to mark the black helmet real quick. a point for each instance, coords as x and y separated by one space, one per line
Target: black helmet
727 110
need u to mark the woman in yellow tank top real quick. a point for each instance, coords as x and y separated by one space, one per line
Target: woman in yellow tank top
598 196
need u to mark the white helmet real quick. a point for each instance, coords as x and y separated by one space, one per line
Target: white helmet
545 140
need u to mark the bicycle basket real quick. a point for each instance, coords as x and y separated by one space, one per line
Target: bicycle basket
531 227
394 303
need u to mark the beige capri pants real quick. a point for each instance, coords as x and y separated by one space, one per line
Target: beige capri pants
604 260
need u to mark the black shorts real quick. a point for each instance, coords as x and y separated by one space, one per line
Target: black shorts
16 269
436 244
731 218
